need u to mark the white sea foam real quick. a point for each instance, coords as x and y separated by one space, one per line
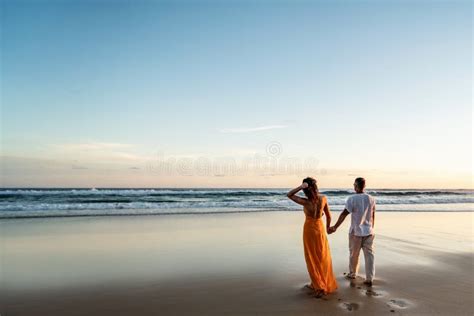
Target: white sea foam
73 202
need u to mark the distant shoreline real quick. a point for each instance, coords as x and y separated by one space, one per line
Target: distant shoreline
226 188
205 213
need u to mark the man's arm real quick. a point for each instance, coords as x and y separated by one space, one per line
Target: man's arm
373 218
341 219
373 215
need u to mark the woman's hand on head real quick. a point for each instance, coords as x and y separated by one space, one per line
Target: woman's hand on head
304 185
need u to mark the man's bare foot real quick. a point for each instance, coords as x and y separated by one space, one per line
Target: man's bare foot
350 277
368 283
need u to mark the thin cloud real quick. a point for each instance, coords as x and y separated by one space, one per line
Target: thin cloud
79 167
92 146
251 129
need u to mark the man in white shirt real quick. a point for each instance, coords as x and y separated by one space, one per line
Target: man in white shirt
361 206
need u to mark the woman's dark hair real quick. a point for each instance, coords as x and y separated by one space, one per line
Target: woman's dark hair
312 191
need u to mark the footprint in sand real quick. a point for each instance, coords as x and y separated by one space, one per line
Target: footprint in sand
398 303
372 293
375 293
349 306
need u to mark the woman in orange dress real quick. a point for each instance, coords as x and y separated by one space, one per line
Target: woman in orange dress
316 247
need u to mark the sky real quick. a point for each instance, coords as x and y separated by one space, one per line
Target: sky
236 93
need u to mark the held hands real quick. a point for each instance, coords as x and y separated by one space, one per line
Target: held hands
331 229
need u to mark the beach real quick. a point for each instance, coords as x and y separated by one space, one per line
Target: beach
156 157
229 264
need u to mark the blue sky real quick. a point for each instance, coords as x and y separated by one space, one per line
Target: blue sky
93 88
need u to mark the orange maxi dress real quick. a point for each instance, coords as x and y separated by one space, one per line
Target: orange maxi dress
317 253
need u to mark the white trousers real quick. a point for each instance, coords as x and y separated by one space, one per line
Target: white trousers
355 244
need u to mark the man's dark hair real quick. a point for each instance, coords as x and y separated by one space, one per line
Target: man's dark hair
360 182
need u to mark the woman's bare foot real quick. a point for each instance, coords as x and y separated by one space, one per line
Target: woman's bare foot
308 287
319 293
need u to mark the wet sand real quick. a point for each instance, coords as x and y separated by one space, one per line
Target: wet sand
228 264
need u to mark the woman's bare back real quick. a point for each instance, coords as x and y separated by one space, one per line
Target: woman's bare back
315 210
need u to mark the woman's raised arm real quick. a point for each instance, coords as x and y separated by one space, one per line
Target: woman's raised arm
292 194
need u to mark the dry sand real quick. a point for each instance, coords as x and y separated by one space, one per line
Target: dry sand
228 264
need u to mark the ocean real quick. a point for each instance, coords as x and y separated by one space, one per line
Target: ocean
58 202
